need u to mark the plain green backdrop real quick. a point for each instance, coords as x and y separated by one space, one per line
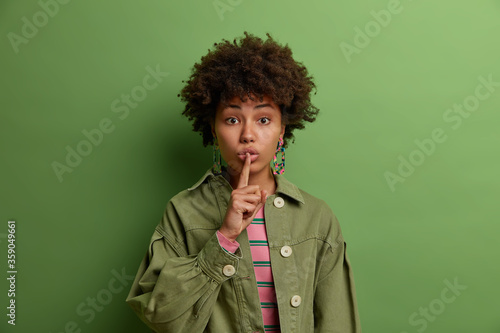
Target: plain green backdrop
405 149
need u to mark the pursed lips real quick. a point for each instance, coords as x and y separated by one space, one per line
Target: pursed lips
253 154
248 150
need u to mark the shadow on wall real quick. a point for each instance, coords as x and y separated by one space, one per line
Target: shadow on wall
184 159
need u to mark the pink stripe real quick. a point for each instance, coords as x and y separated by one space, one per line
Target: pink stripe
260 213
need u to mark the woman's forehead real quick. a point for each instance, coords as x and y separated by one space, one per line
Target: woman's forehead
251 99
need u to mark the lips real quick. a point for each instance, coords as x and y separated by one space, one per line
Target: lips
253 154
248 150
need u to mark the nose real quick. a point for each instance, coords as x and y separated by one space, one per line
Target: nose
247 133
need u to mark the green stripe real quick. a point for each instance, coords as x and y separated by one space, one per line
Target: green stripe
261 262
258 219
268 305
265 284
271 328
258 243
258 223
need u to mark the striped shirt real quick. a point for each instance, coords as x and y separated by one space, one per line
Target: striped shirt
259 247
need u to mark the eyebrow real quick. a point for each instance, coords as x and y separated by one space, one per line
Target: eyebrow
260 106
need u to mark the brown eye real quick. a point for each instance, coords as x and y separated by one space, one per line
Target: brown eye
231 120
267 120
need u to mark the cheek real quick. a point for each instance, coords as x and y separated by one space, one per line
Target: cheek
223 137
223 146
271 142
272 148
226 145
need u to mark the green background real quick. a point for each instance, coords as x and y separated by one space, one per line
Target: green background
404 241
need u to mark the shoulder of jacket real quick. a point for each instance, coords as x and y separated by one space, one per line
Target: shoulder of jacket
186 200
193 192
325 216
314 202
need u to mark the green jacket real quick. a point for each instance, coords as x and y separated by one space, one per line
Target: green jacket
188 283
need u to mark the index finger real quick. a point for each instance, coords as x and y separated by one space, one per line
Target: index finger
245 172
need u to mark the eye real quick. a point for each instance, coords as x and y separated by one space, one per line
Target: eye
231 120
266 120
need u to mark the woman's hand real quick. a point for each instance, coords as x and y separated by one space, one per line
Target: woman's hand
245 202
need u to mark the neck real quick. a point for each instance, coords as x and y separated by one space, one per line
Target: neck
263 178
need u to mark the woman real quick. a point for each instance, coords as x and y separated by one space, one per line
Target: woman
244 249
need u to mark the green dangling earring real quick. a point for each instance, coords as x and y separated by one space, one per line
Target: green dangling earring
279 168
216 168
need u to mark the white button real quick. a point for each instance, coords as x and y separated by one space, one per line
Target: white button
228 270
295 301
286 251
279 202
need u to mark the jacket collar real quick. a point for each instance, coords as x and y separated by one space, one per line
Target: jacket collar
284 186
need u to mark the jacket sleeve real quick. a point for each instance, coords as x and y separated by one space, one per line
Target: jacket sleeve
174 291
335 305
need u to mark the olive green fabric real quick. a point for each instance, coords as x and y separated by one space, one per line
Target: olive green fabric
182 284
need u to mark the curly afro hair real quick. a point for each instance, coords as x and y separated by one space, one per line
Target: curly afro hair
250 67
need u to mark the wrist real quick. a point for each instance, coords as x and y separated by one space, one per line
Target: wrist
229 236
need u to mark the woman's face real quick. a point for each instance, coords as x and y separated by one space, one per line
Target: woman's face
253 125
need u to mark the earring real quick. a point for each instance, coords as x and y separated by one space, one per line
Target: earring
216 157
279 168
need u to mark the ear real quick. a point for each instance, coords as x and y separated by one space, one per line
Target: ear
282 130
213 128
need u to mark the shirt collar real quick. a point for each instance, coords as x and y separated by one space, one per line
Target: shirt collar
284 186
